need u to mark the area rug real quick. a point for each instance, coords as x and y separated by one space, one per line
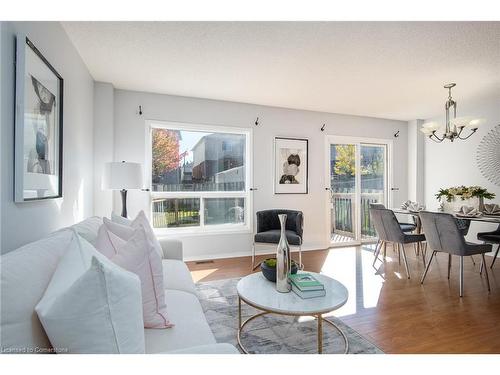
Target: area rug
272 333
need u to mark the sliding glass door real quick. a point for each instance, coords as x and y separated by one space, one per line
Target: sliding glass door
357 176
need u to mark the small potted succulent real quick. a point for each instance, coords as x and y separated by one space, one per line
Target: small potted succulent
268 268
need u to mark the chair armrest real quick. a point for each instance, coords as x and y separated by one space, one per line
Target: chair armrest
172 249
299 224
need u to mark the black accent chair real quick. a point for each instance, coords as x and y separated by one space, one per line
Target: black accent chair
444 235
491 238
389 230
269 230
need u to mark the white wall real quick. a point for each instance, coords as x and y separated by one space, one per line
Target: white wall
451 164
129 145
103 146
416 157
25 222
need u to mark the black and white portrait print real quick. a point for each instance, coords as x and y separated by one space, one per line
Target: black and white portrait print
290 166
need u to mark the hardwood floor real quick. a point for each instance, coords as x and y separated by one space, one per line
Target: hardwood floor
397 314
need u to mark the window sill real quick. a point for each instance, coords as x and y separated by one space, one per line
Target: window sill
176 233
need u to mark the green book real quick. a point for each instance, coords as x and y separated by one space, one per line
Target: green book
306 294
306 281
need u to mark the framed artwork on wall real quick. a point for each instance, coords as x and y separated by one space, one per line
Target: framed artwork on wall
38 151
291 165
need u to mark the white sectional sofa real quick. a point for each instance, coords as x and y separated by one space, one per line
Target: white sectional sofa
26 272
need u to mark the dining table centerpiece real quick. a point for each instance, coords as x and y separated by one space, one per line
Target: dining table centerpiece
453 198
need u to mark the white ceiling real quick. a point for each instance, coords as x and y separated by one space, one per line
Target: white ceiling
382 69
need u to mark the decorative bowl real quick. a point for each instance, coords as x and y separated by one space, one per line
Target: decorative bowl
269 271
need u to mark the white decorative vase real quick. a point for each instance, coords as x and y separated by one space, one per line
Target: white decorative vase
457 202
283 260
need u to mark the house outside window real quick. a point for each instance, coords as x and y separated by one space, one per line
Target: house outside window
199 177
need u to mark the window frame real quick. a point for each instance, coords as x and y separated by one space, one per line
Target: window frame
246 227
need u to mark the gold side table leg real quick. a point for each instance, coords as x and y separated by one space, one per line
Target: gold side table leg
320 334
239 313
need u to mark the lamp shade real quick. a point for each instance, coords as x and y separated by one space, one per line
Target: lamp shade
122 175
431 125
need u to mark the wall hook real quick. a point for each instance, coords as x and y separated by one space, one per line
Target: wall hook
140 110
323 128
396 134
257 122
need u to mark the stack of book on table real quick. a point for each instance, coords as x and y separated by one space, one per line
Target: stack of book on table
306 285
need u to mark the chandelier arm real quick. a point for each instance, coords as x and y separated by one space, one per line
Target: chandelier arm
437 140
464 138
434 140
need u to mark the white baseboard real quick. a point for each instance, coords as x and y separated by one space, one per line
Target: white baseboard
245 253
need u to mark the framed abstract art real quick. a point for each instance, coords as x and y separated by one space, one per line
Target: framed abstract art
290 165
38 125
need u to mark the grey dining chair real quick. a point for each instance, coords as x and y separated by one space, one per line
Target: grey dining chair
444 235
405 227
269 230
491 238
389 230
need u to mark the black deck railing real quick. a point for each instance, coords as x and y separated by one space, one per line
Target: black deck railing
343 212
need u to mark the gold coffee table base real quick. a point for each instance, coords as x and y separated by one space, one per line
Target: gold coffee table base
318 317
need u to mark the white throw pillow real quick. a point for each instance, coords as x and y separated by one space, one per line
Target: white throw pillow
136 254
88 228
91 305
140 221
120 219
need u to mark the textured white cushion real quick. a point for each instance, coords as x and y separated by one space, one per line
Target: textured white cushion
88 228
25 274
120 219
176 276
191 327
91 305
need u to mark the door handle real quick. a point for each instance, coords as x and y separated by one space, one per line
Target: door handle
394 189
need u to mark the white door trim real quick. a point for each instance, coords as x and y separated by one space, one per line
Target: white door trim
340 139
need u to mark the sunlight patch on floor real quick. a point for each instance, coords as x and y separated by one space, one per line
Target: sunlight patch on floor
340 264
199 275
364 293
372 282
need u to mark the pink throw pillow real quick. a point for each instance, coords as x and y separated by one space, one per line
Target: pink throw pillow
142 221
118 222
137 254
107 241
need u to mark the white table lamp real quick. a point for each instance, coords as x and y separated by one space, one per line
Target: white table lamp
122 176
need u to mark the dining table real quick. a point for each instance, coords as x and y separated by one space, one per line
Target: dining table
494 219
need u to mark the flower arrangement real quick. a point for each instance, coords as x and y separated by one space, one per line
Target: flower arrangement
464 192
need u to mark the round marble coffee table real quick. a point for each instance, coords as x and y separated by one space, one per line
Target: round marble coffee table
255 290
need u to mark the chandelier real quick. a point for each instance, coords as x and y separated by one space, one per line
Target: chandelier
454 126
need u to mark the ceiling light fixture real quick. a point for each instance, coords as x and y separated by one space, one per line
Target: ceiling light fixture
454 126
